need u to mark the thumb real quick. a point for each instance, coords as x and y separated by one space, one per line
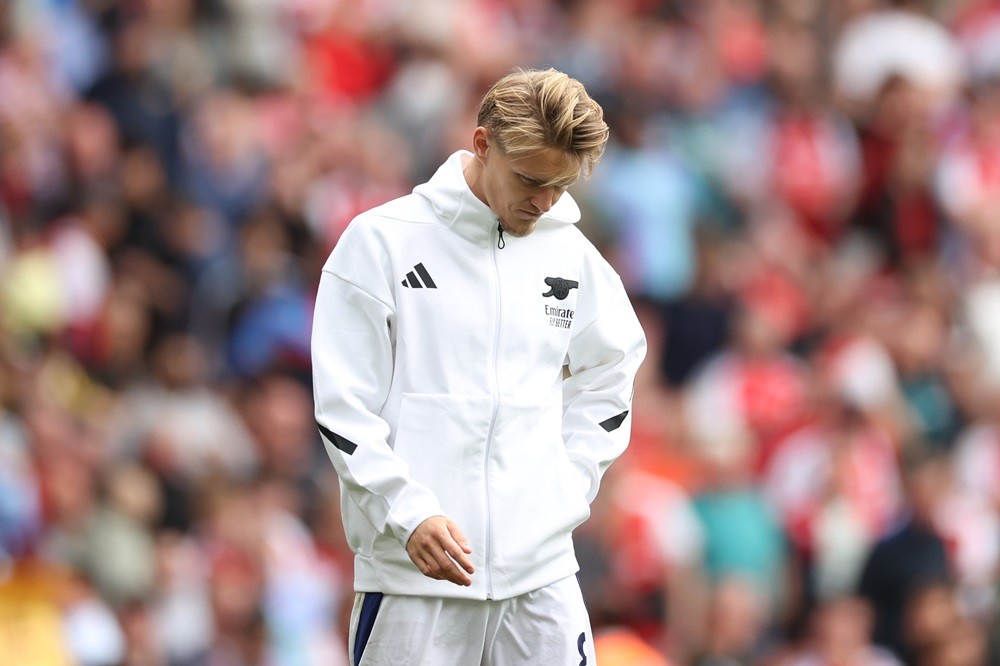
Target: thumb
459 538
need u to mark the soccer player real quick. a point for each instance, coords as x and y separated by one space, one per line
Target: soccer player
474 359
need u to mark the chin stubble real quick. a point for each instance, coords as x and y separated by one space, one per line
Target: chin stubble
518 232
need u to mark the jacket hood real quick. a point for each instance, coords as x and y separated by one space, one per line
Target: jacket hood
463 212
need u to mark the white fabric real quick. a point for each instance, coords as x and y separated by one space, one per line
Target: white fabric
883 43
451 399
982 308
93 634
540 627
977 461
864 374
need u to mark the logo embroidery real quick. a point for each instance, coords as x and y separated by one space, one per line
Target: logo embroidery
413 281
559 317
559 287
579 646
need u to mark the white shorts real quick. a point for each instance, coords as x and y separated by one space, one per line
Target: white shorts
547 626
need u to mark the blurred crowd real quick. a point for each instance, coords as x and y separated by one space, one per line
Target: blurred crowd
802 196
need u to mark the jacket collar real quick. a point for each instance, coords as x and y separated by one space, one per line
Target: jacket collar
461 211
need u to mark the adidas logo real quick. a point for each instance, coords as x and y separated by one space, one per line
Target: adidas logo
413 281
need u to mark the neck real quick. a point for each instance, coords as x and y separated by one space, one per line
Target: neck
472 169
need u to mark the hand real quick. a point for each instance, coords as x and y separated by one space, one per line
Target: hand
439 548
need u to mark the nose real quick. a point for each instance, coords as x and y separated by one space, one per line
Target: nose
544 199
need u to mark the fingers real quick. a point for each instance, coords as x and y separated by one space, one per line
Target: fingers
459 538
461 555
439 566
447 569
439 549
427 567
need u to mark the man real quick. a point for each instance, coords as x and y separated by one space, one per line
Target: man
474 358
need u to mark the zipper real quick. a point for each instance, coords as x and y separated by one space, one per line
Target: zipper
493 419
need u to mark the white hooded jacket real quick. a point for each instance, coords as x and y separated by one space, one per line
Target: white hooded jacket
463 375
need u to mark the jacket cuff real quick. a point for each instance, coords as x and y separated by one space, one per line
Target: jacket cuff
411 508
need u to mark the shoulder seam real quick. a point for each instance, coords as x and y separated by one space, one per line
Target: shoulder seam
401 219
358 287
381 212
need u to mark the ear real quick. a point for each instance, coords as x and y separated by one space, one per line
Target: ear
481 142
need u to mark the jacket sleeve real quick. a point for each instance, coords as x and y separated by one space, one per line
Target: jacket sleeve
352 356
604 356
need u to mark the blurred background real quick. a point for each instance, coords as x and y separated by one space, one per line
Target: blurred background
802 196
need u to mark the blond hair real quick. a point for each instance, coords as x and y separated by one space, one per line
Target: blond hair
530 110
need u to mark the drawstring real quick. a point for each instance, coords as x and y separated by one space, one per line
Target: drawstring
501 244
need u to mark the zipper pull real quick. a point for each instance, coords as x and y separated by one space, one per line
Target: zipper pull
501 244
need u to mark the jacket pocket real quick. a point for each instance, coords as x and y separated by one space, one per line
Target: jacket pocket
538 495
442 438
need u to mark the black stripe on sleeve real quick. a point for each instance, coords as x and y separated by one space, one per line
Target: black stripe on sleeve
345 445
614 422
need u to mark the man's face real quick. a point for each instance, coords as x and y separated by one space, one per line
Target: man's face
519 189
